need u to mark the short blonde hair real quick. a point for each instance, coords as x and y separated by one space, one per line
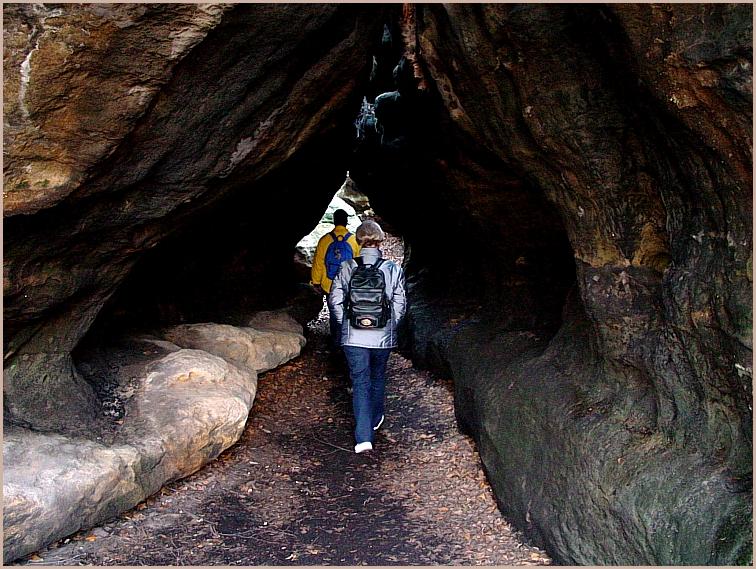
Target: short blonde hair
369 234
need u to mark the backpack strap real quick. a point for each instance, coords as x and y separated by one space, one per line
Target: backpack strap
378 263
359 260
344 237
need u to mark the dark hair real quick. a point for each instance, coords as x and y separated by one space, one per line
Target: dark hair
340 217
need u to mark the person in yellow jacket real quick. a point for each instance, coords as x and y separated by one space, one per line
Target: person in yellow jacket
333 248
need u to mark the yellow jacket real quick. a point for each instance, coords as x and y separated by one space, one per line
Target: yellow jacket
318 275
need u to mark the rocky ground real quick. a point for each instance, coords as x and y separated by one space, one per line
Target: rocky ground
292 491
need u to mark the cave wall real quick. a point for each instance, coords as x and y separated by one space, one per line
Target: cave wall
573 184
625 435
125 124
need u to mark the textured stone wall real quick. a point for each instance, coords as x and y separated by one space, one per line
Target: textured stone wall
573 183
614 421
133 126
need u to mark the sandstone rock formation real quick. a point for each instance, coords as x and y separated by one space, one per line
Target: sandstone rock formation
603 150
573 184
256 350
131 126
192 405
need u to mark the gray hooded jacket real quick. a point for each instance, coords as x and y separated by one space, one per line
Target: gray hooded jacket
380 338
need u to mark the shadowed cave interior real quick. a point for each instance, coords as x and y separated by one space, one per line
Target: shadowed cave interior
575 209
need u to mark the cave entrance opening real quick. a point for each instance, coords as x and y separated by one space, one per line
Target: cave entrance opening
357 205
348 198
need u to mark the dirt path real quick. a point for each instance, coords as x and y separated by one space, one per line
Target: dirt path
292 491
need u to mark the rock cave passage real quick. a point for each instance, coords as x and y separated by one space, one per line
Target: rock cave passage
292 491
572 185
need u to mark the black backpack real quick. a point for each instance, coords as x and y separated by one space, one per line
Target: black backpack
367 305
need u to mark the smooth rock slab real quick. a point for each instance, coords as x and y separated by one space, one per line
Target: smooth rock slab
53 486
268 320
193 405
259 350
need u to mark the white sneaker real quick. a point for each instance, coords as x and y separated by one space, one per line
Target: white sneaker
378 426
362 447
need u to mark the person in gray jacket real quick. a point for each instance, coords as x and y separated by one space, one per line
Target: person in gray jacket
367 350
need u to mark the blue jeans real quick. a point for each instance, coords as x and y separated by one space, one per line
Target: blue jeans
367 368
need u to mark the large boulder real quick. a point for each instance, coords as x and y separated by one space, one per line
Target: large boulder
257 350
190 406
